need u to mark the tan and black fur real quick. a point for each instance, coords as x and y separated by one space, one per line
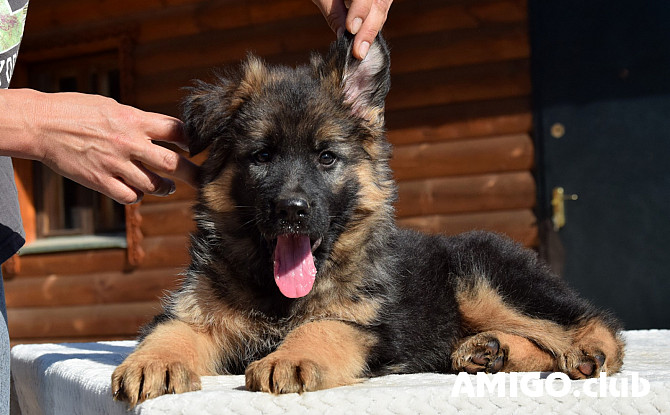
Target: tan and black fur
302 151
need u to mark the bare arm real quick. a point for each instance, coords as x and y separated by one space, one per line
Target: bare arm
95 141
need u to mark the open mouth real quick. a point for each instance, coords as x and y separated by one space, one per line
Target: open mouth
294 269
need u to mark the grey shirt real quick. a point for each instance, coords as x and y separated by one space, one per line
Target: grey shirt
11 227
12 21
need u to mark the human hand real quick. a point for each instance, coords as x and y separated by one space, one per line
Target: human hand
99 143
364 19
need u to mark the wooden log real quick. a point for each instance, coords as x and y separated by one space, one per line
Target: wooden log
168 218
215 48
86 321
167 251
163 68
520 225
71 13
160 252
500 11
458 121
479 193
462 84
218 16
74 262
448 49
465 157
410 17
96 288
254 13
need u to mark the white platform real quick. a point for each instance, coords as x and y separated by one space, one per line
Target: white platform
75 379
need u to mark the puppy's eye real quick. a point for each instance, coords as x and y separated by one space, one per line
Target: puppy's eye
327 158
263 156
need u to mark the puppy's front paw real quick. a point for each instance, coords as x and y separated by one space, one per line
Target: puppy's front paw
141 377
282 373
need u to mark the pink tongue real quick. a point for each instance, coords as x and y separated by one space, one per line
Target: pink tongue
294 265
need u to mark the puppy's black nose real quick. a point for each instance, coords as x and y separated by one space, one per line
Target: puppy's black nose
292 209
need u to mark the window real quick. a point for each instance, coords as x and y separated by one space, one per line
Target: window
63 207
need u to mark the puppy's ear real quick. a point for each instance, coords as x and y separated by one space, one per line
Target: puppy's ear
205 113
209 107
363 84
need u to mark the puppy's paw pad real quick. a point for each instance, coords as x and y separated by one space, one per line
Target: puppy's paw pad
283 374
584 365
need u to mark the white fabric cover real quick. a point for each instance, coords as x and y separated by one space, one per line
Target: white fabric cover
75 379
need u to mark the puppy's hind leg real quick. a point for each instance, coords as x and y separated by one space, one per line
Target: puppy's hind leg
496 351
597 347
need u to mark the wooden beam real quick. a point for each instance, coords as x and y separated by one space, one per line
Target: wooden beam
465 157
459 121
166 251
96 288
86 321
461 84
74 262
168 218
480 193
520 224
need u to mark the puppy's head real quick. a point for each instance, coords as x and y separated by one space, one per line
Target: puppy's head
298 161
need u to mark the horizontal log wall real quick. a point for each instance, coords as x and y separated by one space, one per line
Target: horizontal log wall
458 115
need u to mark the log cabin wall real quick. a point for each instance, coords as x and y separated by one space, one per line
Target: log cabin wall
458 115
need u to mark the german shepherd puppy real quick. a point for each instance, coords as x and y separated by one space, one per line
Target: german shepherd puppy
299 276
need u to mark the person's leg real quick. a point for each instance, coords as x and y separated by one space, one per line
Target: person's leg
4 354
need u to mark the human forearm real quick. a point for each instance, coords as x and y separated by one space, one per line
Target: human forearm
95 141
18 112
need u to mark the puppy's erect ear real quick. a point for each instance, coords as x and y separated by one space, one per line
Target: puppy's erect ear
364 84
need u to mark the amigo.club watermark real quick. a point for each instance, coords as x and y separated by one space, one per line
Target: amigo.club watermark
556 384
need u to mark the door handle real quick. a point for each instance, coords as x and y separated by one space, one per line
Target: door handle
558 198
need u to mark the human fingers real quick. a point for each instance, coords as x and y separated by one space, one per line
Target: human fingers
335 13
118 190
146 181
165 161
164 128
365 20
128 182
157 158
